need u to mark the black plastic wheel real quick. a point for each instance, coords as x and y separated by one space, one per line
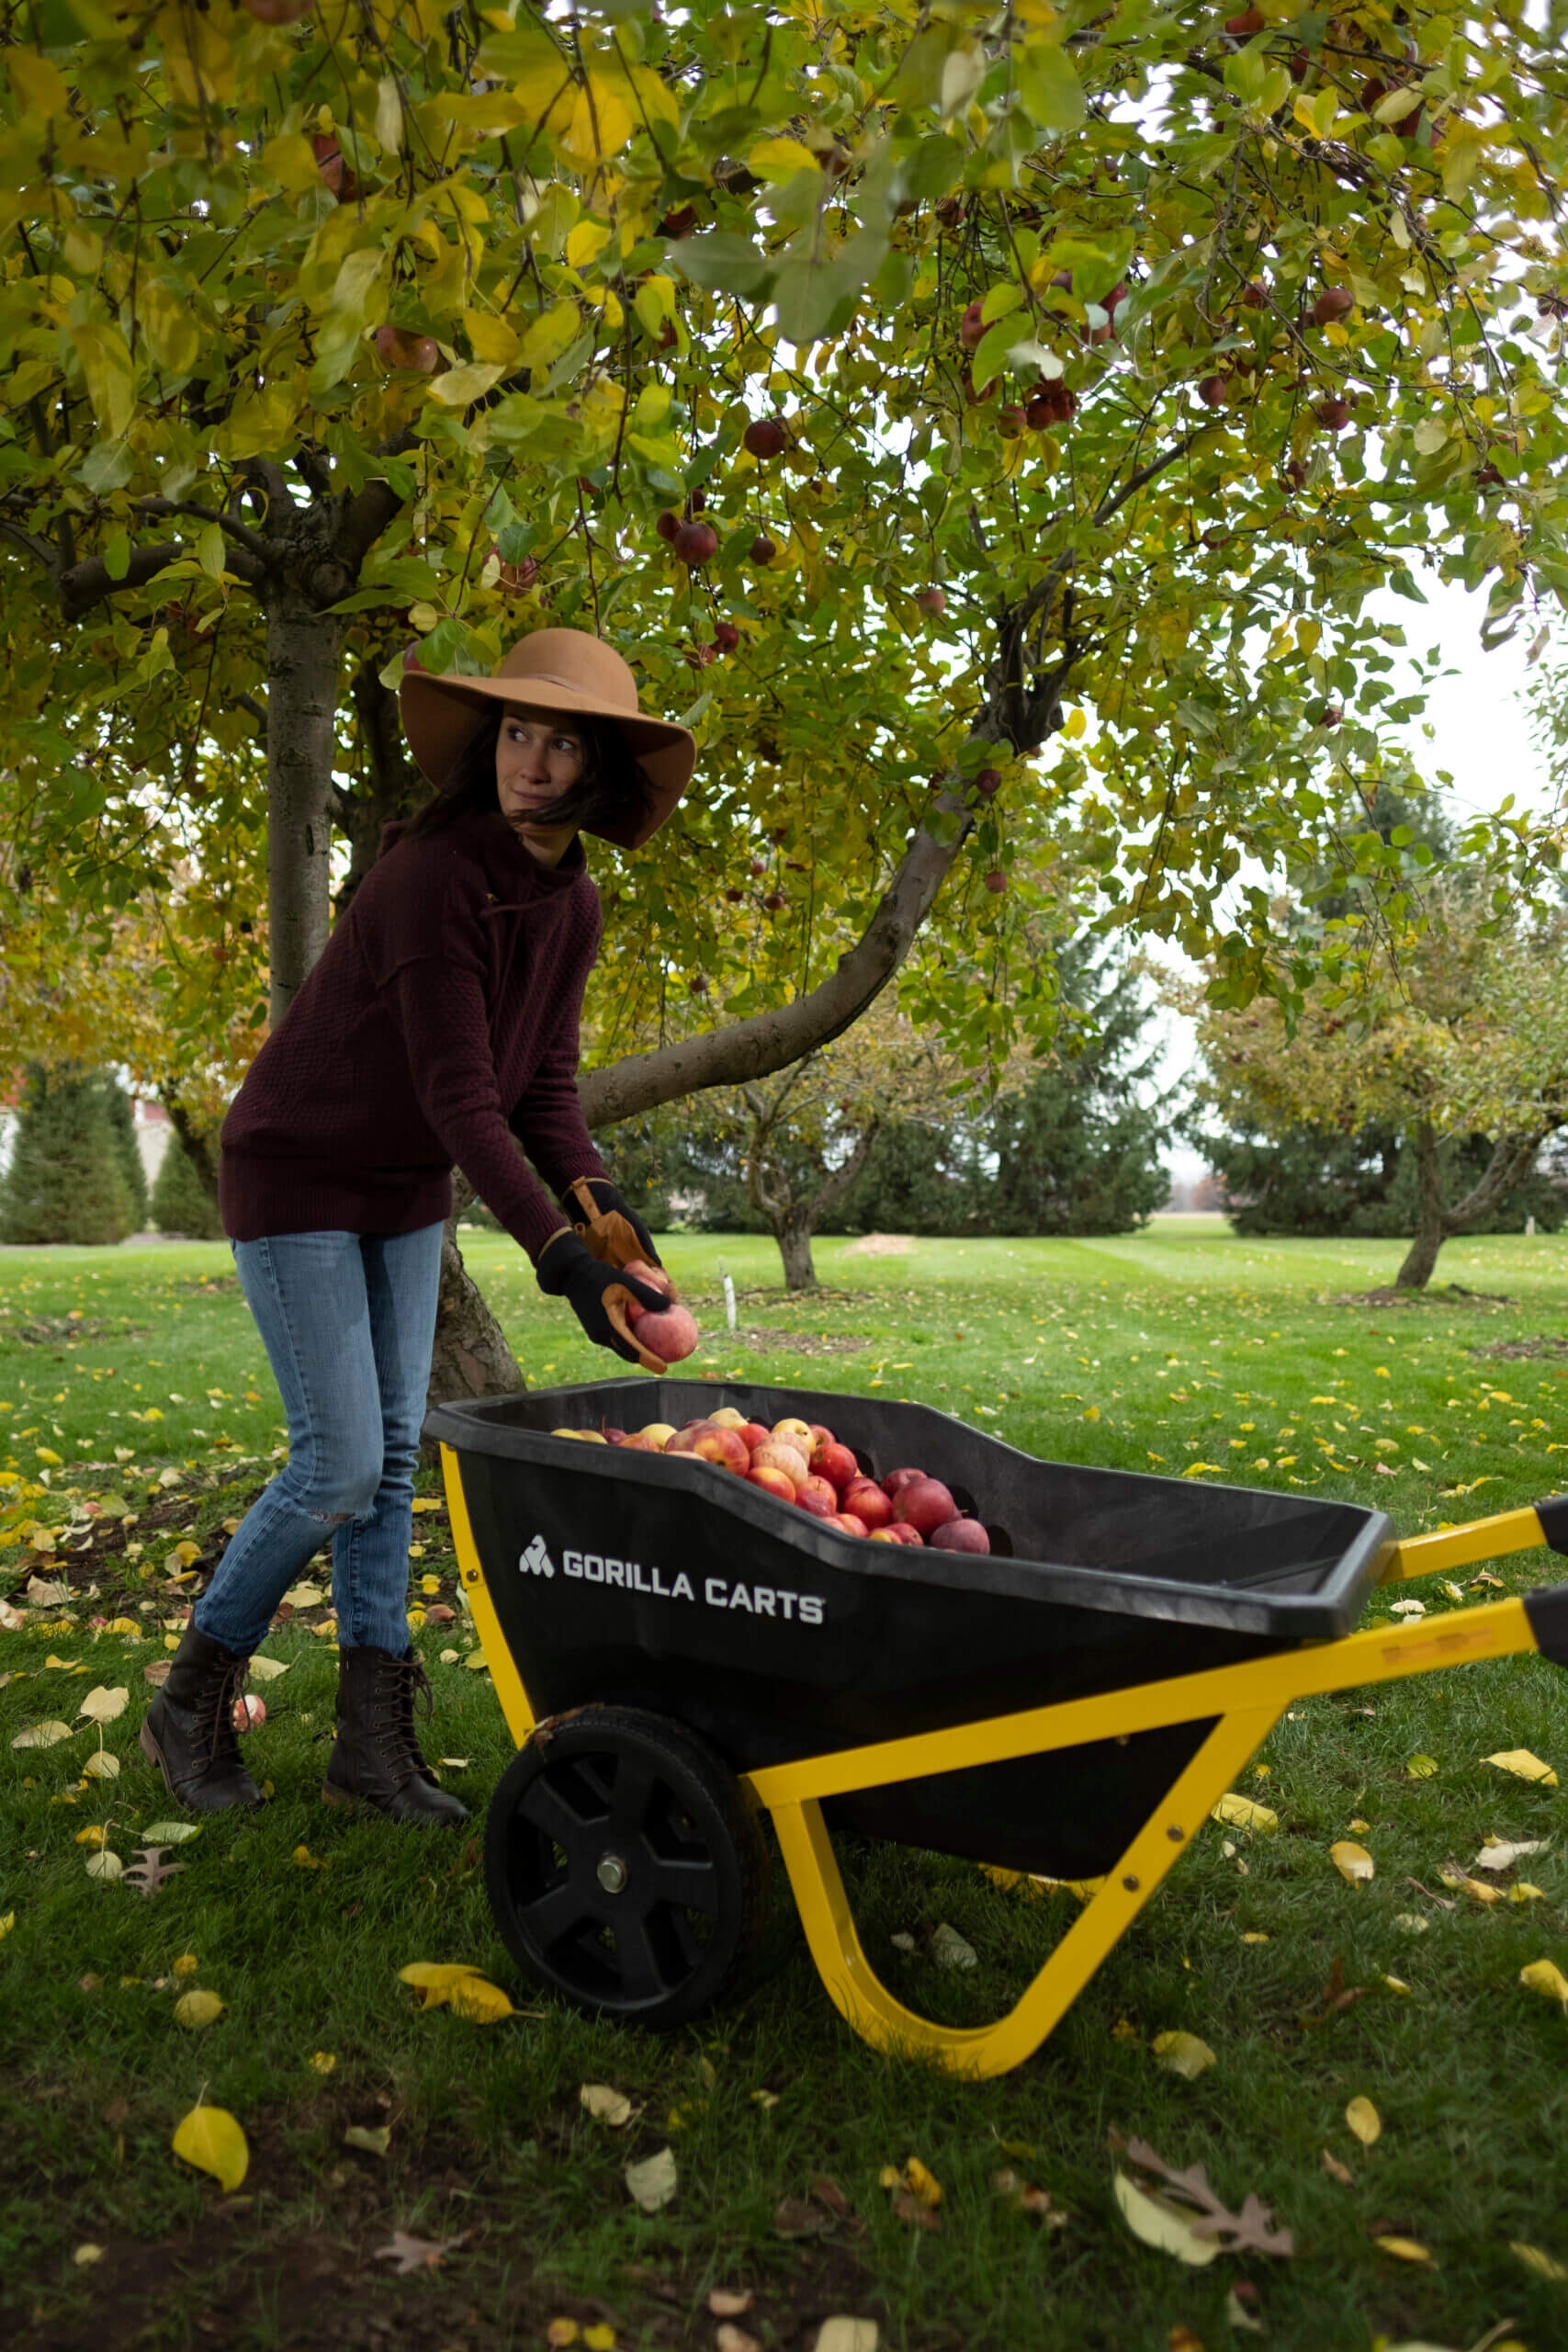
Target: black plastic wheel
625 1868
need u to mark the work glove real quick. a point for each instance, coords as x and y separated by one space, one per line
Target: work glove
602 1220
598 1294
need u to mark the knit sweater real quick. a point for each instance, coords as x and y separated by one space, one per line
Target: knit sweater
440 1021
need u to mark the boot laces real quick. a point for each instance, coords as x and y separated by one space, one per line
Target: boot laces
404 1685
214 1711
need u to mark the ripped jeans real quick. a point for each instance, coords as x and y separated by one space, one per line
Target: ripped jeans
348 1323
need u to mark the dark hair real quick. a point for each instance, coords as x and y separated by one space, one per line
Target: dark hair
611 789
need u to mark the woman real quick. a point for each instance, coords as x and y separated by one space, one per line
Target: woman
440 1023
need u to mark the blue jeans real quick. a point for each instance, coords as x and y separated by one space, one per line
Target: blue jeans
348 1323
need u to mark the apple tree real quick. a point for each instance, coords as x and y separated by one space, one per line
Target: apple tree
989 427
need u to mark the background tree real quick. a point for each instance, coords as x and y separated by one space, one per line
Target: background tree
63 1180
1313 1180
381 322
1457 1032
121 1116
181 1202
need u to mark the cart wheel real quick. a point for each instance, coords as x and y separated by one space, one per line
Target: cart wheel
625 1867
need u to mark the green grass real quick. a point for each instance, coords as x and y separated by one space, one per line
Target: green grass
1179 1346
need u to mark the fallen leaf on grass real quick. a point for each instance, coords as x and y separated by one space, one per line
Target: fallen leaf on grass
304 1595
1253 2228
171 1833
730 2302
156 1672
728 2338
1421 1767
1238 2313
840 2334
104 1865
87 2254
104 1706
150 1871
94 1835
479 2002
44 1735
7 1921
196 2008
605 2105
1545 2266
653 2182
1183 2053
406 2253
1524 1765
374 2139
1364 2120
800 2217
1243 1813
1026 2197
210 2138
267 1669
102 1767
1336 2170
1403 2249
1451 1875
1160 2221
432 1979
949 1949
1497 1854
1352 1861
922 2185
322 2061
1545 1976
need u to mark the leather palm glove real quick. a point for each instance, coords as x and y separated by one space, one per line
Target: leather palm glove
597 1294
604 1223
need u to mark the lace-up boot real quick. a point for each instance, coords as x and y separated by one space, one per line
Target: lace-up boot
376 1757
188 1731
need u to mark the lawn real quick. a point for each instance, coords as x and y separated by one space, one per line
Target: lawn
1175 1348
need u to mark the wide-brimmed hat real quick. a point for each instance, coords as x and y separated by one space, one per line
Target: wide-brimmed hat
555 669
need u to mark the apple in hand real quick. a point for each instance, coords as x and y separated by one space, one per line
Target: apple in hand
959 1535
925 1505
669 1334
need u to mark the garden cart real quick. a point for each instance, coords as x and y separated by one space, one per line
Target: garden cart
676 1653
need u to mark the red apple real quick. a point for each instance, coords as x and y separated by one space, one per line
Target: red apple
819 1489
898 1478
866 1499
777 1483
656 1277
896 1532
714 1444
776 1455
820 1433
931 600
278 12
638 1443
844 1518
1334 302
765 436
696 544
684 1441
725 636
668 523
1254 294
1212 392
925 1504
959 1535
1250 21
763 549
836 1464
416 354
1334 414
972 326
754 1434
813 1505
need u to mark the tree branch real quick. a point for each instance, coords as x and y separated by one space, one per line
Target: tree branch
839 1182
362 520
86 583
1512 1157
264 552
31 544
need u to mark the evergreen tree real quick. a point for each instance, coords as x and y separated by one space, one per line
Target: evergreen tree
122 1126
181 1202
1313 1180
64 1182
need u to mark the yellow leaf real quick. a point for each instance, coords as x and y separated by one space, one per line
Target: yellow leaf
1545 2266
1254 1938
433 1979
1352 1861
101 1706
1545 1976
196 2008
375 2139
187 1964
461 385
600 2337
780 159
47 1454
560 2333
1421 1767
94 1835
85 2255
1403 2249
7 1921
304 1860
586 241
210 2139
47 1735
1243 1813
266 1669
1520 1761
922 2185
653 2183
478 2000
324 2060
607 2105
1183 2053
1364 2120
1160 2222
1524 1893
1397 1984
844 2334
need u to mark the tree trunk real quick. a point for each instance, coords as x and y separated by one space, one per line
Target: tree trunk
792 1234
1417 1270
472 1357
302 649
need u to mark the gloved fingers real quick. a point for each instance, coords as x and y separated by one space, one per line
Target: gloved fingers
615 1314
644 1293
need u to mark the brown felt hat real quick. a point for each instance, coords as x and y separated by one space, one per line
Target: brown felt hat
555 669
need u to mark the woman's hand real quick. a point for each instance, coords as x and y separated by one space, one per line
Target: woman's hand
567 1268
593 1202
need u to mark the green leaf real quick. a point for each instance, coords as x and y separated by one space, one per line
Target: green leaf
1048 84
109 377
723 263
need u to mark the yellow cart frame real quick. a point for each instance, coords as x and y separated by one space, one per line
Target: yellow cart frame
1247 1701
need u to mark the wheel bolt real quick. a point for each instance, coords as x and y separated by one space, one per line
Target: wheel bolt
612 1873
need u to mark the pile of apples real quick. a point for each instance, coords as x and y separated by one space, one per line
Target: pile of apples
804 1464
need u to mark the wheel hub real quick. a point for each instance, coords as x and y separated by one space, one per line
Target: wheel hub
612 1873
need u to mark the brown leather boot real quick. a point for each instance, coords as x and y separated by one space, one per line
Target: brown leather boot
375 1756
188 1731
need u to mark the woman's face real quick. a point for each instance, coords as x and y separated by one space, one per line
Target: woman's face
538 755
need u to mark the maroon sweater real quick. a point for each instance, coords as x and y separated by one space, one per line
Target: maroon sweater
440 1021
